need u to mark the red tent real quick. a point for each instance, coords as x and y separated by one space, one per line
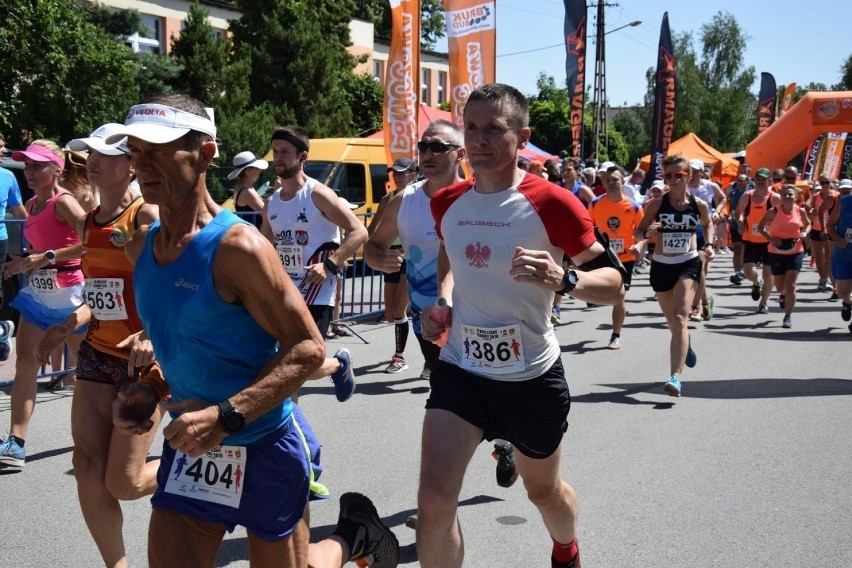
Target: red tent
428 114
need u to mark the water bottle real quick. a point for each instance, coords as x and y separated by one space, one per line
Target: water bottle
439 313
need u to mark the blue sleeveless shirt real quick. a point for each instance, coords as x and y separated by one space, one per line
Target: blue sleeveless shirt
208 349
844 227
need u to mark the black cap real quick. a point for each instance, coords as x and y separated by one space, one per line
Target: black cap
403 165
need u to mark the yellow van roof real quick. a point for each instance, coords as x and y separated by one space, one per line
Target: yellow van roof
333 148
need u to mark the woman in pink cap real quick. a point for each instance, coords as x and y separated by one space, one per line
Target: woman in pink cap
50 294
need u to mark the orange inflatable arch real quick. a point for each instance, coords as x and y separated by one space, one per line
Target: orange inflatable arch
816 113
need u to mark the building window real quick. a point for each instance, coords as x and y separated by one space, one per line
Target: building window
379 70
426 86
442 87
150 37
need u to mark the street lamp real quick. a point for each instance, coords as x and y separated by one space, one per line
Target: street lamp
599 102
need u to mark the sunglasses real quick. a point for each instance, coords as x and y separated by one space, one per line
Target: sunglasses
436 147
676 175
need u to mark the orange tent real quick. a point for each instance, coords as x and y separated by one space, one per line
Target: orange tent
813 115
428 114
693 147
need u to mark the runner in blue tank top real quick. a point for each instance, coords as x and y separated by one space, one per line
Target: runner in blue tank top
237 451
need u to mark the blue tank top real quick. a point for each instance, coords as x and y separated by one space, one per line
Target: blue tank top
208 349
844 228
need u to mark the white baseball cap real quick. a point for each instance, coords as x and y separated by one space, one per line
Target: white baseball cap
97 141
845 183
696 164
161 124
659 184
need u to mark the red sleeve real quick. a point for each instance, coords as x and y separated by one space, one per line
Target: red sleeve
565 218
444 198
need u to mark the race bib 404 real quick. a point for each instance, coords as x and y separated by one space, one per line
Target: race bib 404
215 477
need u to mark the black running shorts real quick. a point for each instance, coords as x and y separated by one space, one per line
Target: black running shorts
532 414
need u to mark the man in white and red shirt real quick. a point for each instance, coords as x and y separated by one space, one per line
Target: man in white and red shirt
503 235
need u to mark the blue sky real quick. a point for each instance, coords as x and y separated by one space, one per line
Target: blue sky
811 47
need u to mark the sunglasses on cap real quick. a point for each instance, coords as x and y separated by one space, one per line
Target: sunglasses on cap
436 147
676 175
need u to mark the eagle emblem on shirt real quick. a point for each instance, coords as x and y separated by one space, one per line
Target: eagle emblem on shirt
478 255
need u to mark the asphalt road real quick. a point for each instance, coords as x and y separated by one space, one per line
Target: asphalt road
750 468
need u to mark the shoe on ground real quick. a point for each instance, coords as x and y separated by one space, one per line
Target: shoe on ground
614 342
556 315
397 365
788 322
834 296
762 308
846 311
411 521
695 314
822 286
691 357
782 301
12 456
755 289
507 471
343 378
426 373
573 564
374 544
736 279
672 386
7 329
707 309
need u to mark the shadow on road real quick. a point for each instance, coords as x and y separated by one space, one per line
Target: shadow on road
723 389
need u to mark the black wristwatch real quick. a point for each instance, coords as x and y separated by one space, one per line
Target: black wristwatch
231 420
569 282
50 256
333 268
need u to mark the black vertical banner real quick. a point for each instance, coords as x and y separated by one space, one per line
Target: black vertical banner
766 102
847 156
575 69
665 104
811 158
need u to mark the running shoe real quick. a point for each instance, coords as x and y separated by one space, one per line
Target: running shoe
371 543
736 279
812 263
691 357
834 296
788 322
343 378
762 308
707 308
426 373
846 311
573 564
822 286
411 521
695 314
782 301
672 386
397 365
7 329
556 315
507 471
755 289
614 342
12 455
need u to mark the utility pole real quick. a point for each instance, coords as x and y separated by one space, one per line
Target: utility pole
599 129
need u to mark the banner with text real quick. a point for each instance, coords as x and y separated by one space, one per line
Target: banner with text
832 160
472 43
811 158
766 102
665 105
575 69
402 81
787 101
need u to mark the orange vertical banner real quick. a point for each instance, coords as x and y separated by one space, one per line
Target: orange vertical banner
472 43
402 81
833 156
787 101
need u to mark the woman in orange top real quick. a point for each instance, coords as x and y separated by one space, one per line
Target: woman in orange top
820 245
109 465
785 225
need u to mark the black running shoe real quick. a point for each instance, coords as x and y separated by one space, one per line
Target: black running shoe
507 471
846 311
573 564
370 542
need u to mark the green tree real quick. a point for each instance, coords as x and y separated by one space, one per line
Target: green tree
155 74
432 27
299 61
61 76
203 57
634 132
365 97
845 83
